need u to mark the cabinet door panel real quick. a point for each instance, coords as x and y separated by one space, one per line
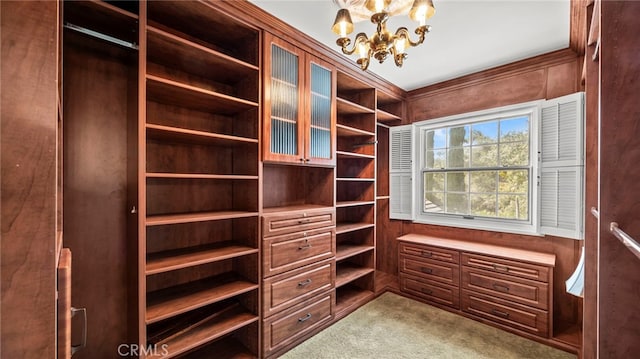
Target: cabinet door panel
284 81
320 136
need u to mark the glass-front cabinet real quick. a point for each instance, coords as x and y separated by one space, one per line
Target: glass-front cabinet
300 113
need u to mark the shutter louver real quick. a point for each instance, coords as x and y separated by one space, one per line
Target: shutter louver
400 172
561 173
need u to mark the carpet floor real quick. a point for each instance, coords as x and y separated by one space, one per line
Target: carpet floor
393 326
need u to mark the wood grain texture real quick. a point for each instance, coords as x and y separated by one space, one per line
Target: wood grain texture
562 79
565 305
29 122
96 121
64 305
592 127
577 26
619 269
521 81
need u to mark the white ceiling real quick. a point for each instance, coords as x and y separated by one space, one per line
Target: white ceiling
467 35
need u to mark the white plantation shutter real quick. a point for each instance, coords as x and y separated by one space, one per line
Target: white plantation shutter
562 166
400 172
562 127
561 201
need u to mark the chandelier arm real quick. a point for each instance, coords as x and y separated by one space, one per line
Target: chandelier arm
421 31
344 43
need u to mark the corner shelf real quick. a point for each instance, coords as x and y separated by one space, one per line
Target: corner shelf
344 251
347 273
347 227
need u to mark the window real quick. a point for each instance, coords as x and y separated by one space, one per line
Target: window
512 169
478 170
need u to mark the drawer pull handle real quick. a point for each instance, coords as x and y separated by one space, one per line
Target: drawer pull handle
500 313
303 221
304 283
426 270
304 246
427 254
427 291
500 268
305 318
500 287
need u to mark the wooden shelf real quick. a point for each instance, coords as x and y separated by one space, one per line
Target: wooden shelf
384 116
196 217
348 298
301 207
222 348
169 302
182 95
355 179
345 154
344 251
229 320
347 131
95 7
381 198
353 203
347 273
199 176
350 227
103 17
346 107
177 52
176 134
188 257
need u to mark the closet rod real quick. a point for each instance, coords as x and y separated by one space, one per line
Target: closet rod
101 36
626 239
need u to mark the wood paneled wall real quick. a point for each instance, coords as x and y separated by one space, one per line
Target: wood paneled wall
619 269
543 77
29 132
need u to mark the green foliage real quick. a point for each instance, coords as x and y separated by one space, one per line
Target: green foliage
491 193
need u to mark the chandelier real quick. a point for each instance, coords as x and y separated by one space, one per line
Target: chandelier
382 43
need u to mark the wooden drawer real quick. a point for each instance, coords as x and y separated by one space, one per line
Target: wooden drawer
508 287
516 316
506 266
431 291
297 322
429 269
276 224
429 252
287 289
290 251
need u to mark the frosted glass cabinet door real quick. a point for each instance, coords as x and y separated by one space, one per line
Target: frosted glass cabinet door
299 106
284 128
320 135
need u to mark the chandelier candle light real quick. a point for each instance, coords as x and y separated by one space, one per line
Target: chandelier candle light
382 42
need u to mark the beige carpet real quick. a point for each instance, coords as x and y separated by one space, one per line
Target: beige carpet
395 327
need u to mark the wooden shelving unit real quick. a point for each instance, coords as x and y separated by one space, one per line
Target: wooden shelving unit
355 193
201 266
389 108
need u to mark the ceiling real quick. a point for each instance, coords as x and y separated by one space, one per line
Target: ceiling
467 35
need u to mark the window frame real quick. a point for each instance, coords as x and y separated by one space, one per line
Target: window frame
532 110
